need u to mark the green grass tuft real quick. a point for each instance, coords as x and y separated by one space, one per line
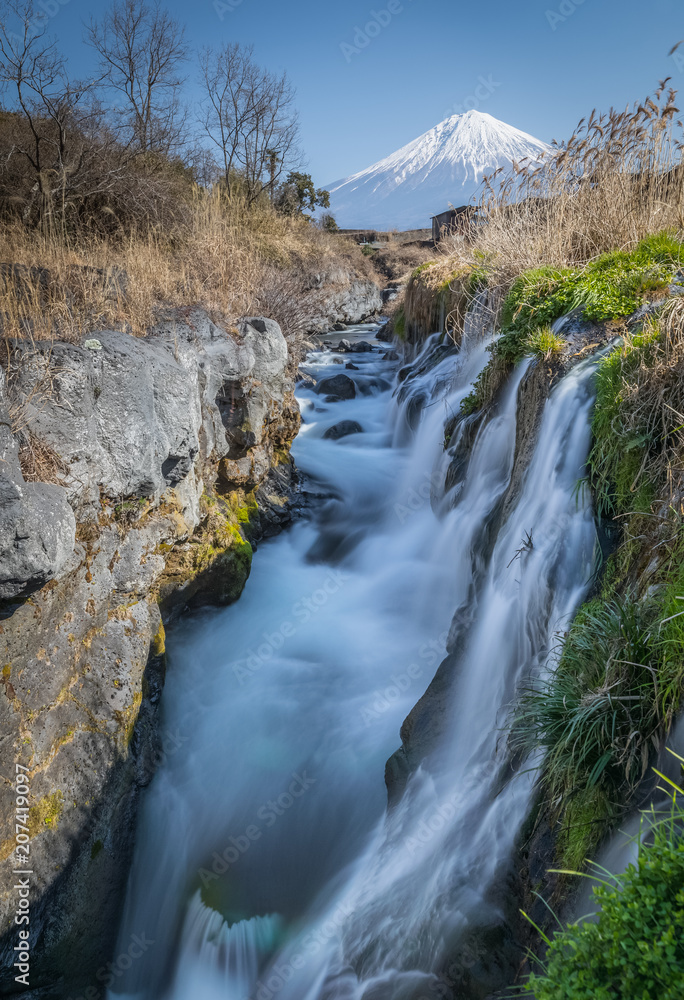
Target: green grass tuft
600 716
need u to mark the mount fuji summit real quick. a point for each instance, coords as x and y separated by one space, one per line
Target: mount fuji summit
442 167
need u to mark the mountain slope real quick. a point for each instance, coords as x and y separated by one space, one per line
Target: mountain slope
443 166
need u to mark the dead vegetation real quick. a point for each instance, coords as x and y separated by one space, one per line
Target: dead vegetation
616 180
228 258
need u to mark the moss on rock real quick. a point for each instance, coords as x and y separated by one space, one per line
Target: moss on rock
45 812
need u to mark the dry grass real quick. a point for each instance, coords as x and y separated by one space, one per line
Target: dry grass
616 180
653 404
397 260
39 462
225 257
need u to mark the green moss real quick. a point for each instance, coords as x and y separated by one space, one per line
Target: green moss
588 814
246 509
416 273
46 812
95 849
618 451
399 324
158 645
130 717
612 286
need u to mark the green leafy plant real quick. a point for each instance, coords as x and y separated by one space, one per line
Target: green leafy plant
635 949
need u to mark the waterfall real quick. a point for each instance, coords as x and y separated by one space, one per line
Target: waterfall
267 863
231 952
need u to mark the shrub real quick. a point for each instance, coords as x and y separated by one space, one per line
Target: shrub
635 949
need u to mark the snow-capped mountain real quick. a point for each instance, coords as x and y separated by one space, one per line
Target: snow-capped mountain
444 166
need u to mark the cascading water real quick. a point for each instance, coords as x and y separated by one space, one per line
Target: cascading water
267 863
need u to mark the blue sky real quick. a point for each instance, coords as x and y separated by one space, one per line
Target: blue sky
545 63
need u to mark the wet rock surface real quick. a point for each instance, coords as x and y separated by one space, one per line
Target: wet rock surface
336 387
343 429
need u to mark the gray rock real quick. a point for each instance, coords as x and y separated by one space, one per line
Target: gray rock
343 429
336 387
129 420
362 347
351 366
37 525
344 347
341 297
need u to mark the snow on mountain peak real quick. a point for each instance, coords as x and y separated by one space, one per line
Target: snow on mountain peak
441 167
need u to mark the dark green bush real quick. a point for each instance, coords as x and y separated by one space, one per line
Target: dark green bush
635 950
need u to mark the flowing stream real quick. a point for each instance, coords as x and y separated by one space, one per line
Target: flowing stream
267 863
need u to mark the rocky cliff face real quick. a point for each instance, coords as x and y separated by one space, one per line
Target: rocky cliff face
166 455
342 297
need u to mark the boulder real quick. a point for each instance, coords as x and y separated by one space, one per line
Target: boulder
336 387
352 367
343 429
363 347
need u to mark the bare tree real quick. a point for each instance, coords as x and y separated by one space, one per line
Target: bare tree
249 114
142 49
59 130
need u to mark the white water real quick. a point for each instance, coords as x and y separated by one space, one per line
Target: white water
281 710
